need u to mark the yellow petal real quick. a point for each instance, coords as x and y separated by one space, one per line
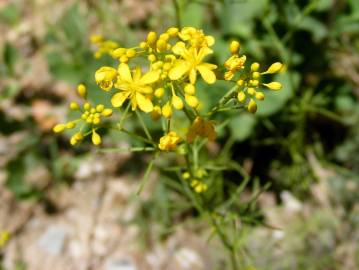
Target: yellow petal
203 52
273 85
192 76
150 77
96 139
180 68
119 98
179 48
124 72
59 128
210 40
192 101
167 110
177 102
145 104
136 75
274 68
206 73
252 106
241 96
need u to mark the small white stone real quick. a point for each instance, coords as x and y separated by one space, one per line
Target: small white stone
120 264
188 259
291 202
52 241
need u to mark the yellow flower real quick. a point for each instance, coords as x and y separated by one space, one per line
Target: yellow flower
4 238
96 138
169 141
134 87
235 63
81 90
274 68
104 77
196 37
252 106
96 39
191 63
198 186
103 46
202 128
273 86
234 47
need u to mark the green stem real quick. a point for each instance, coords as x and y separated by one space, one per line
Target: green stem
177 13
148 134
128 149
224 239
146 175
123 117
138 137
223 101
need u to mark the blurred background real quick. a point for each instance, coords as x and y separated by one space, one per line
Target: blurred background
74 207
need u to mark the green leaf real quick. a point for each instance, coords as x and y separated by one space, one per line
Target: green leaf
17 170
192 15
242 126
10 14
315 27
237 17
10 56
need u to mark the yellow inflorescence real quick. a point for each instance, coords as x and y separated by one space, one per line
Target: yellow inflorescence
103 46
248 82
4 238
196 180
90 116
175 61
169 141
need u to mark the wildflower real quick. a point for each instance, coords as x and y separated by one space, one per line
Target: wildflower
234 47
252 106
198 186
192 101
95 39
134 87
4 238
173 31
186 175
196 37
169 141
151 38
191 62
90 115
103 46
274 68
167 110
96 139
233 64
202 128
81 90
255 66
273 85
104 77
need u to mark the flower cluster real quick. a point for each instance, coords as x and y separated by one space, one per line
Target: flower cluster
103 46
159 76
174 58
90 119
248 82
197 180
